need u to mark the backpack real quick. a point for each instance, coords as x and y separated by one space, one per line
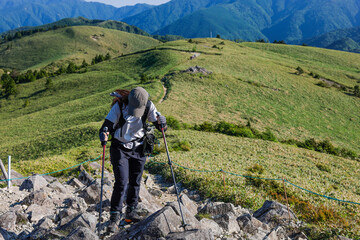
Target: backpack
149 137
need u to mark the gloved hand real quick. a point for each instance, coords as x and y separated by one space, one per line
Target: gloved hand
162 121
104 137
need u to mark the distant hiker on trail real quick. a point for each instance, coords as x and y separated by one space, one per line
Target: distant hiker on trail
126 124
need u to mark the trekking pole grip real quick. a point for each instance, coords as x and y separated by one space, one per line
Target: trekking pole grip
105 130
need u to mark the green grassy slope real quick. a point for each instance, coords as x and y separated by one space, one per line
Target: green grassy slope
213 152
258 82
71 43
75 101
250 82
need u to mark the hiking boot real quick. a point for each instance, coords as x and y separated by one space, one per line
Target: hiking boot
132 214
114 221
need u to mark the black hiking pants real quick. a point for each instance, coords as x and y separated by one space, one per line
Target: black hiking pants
128 166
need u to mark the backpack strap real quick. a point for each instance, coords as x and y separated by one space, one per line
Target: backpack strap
122 121
146 113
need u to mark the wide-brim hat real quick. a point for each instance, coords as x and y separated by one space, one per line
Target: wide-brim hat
138 98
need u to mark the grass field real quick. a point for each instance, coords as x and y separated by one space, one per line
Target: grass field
71 43
210 152
251 82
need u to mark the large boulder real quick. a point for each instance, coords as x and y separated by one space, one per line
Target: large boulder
76 183
57 186
148 201
91 193
274 214
81 233
228 222
37 212
217 208
158 225
66 215
76 203
34 183
189 218
211 224
42 230
8 221
86 178
189 204
86 220
252 226
192 234
39 197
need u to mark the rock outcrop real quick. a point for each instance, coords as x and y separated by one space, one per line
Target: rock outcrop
45 208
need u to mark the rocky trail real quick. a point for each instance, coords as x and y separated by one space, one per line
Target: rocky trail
45 208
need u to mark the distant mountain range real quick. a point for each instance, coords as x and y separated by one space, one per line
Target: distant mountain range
289 20
81 21
342 39
294 21
20 13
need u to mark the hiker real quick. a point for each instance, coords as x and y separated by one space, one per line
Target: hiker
126 121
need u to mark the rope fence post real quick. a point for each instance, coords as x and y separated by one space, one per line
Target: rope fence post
287 201
9 172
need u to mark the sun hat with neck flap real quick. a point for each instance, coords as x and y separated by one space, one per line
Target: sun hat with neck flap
138 99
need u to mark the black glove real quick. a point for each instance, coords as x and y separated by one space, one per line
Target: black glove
162 121
103 138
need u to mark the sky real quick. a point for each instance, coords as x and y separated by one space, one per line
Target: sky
121 3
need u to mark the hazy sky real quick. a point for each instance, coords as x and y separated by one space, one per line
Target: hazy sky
120 3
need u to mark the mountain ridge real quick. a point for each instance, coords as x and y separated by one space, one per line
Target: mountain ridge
39 12
342 39
291 21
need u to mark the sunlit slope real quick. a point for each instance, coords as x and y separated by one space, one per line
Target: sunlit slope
257 82
71 43
61 118
251 82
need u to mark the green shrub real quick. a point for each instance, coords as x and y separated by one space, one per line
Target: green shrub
144 78
357 91
254 173
205 127
326 147
181 146
346 153
49 84
173 123
323 84
268 135
308 144
256 168
243 132
26 103
299 71
323 167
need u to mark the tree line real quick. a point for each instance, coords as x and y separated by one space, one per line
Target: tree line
9 81
19 34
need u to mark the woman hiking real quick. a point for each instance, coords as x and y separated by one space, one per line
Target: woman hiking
125 122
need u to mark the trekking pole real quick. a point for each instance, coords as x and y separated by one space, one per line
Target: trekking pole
173 176
102 180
